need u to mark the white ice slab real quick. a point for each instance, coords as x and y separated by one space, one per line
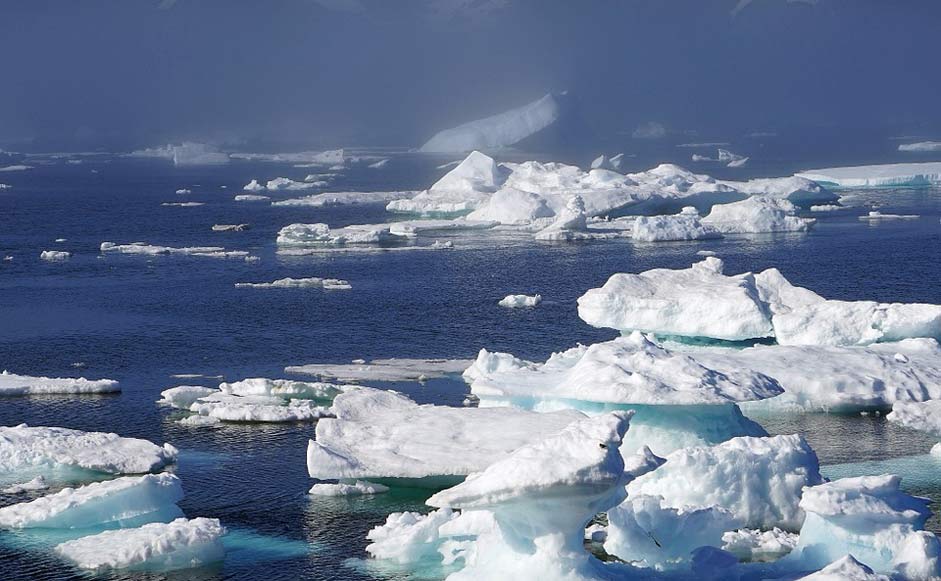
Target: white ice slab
887 175
384 369
13 384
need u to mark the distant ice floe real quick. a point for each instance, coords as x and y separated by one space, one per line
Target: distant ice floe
184 191
312 282
921 146
55 255
250 198
13 384
287 184
379 435
306 158
23 447
253 186
5 186
875 216
517 301
498 131
826 208
184 154
383 369
230 227
322 235
183 204
649 130
19 167
344 199
379 164
182 543
723 156
152 250
875 176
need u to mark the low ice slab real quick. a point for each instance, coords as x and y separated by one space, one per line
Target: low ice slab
117 502
381 434
284 388
924 416
384 369
322 235
181 544
310 282
872 519
760 480
356 488
23 447
517 301
330 199
14 384
874 176
183 396
143 248
227 407
55 255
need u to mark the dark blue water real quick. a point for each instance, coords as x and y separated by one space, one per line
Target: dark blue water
141 319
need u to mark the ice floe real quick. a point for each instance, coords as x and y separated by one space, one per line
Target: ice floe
183 204
183 396
384 369
328 199
686 225
379 435
250 198
757 214
876 215
17 167
55 255
322 235
184 191
153 250
498 131
230 227
180 544
227 407
13 384
887 175
287 184
23 447
921 146
357 488
310 282
118 502
516 301
253 186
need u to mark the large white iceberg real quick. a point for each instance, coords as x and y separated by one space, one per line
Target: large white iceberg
498 131
757 214
461 190
13 384
180 544
759 480
887 175
23 447
119 502
686 225
379 435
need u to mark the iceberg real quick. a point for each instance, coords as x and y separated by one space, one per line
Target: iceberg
322 235
23 447
541 497
383 369
517 301
380 435
459 191
129 499
877 176
230 227
184 191
312 282
55 255
409 538
250 198
329 199
924 415
759 480
512 206
921 146
797 190
13 384
872 519
686 225
570 224
677 401
184 154
180 544
502 130
757 214
253 186
287 184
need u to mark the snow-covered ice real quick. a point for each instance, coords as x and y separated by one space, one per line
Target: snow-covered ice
23 447
322 235
924 416
356 488
13 384
461 190
310 282
381 434
758 545
183 396
38 483
921 146
845 569
250 198
253 186
686 225
887 175
17 167
129 499
328 199
383 369
757 214
180 544
55 255
229 227
184 191
876 215
517 301
153 250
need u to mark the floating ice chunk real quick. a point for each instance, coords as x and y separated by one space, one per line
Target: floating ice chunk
152 250
38 483
312 282
757 545
461 190
542 496
253 186
643 532
887 175
384 369
123 500
414 228
281 184
826 208
250 198
183 204
516 301
839 379
186 153
512 206
380 434
921 146
227 407
759 480
497 131
229 227
924 416
183 396
181 544
5 186
23 447
845 569
357 488
379 164
872 519
683 226
408 538
13 384
18 167
757 214
739 162
183 191
328 199
320 234
570 224
284 388
696 302
875 215
199 421
55 255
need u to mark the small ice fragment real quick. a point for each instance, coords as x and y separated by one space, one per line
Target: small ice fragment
516 301
55 255
358 488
